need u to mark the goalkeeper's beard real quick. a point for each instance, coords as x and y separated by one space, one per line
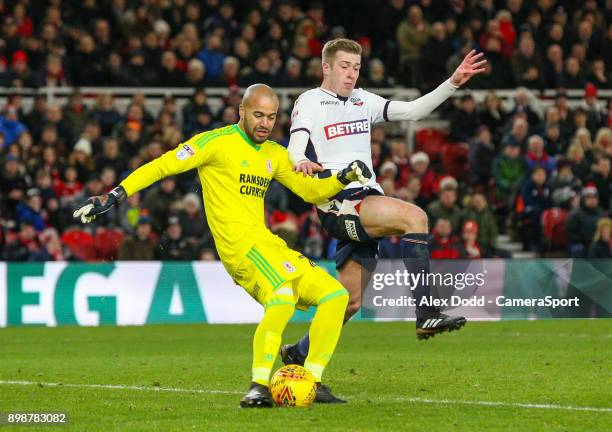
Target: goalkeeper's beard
250 132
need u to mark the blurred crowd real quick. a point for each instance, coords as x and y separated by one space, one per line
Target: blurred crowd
542 179
55 156
414 43
541 176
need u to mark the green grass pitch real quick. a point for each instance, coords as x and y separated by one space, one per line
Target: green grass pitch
494 376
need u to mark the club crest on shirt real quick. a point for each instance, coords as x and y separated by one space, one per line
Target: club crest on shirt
356 101
185 152
288 267
269 165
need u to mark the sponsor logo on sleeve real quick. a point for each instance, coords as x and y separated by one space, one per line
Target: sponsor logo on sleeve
185 152
347 128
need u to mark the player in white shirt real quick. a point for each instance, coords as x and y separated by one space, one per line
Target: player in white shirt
332 124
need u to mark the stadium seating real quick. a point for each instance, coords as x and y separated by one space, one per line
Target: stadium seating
106 243
80 244
455 159
430 141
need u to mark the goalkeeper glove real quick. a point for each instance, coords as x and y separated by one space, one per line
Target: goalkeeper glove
96 205
356 171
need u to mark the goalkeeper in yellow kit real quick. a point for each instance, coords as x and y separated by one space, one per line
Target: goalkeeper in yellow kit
236 164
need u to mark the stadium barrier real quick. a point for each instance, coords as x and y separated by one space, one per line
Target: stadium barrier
139 293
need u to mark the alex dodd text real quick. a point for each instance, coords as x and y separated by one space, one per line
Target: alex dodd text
455 301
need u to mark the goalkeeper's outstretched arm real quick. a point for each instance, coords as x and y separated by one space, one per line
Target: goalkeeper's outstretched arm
170 163
315 190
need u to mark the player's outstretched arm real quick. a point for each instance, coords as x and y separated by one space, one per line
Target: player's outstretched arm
472 64
315 190
186 156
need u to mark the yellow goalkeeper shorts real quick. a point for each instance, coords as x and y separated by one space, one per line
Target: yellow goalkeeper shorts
274 274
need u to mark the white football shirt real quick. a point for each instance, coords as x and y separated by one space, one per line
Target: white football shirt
339 127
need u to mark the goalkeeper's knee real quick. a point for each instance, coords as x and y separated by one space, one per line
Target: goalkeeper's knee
338 295
283 296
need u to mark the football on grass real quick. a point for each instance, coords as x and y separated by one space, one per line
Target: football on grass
293 385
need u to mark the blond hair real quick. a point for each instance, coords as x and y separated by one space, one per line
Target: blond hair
599 146
583 132
332 47
575 150
601 223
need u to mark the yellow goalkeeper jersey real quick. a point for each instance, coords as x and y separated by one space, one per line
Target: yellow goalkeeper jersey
235 173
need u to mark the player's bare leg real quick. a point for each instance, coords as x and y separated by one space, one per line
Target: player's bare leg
383 216
354 278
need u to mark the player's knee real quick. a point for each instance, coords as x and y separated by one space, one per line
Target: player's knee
280 305
415 221
276 315
282 301
353 305
338 295
353 287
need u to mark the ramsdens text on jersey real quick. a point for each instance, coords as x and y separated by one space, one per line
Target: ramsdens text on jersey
260 185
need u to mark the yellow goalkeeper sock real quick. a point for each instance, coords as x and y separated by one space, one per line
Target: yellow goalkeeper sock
267 339
325 331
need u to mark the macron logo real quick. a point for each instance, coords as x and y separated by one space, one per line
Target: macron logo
347 128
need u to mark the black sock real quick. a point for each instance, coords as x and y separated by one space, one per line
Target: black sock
415 253
303 345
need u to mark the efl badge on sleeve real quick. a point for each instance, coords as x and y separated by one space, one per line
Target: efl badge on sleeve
288 267
185 152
